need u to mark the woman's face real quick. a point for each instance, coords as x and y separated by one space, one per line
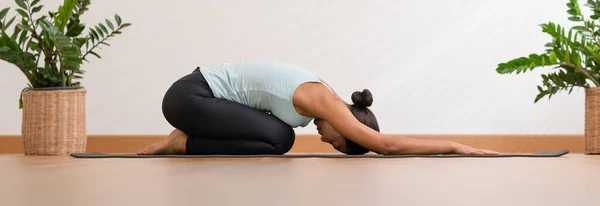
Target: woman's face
330 135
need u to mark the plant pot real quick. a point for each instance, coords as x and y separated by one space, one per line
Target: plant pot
592 120
54 121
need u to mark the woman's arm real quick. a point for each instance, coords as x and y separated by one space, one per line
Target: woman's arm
336 113
341 119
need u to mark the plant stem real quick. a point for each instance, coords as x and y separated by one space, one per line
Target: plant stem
57 58
582 71
63 78
86 53
37 60
31 23
98 43
41 47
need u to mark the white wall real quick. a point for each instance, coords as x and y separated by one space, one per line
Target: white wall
403 51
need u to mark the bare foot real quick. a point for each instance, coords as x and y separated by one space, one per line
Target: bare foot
175 144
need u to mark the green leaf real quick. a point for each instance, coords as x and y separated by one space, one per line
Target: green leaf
105 43
94 53
579 28
33 46
553 58
48 27
47 42
554 80
104 28
535 58
110 25
3 12
23 37
55 79
12 53
21 4
79 41
532 65
64 14
576 59
95 35
37 9
584 50
82 7
35 2
99 31
21 101
5 40
10 22
69 53
118 19
23 13
522 64
570 37
39 19
75 29
540 96
125 25
572 12
575 18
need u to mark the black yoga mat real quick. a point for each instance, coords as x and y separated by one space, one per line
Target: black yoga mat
556 153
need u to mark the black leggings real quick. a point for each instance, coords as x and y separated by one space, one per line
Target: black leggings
219 126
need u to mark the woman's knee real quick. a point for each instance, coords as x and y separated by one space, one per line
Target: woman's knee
283 139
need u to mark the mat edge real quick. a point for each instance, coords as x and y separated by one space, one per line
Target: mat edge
308 143
554 153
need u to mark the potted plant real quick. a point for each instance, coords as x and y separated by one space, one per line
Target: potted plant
49 50
574 55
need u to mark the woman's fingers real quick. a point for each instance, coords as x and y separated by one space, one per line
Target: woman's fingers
482 152
488 152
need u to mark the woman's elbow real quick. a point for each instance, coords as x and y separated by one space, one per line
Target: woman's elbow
393 147
389 148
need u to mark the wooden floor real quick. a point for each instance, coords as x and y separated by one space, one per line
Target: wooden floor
573 179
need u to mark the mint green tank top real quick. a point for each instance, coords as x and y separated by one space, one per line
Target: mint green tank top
266 86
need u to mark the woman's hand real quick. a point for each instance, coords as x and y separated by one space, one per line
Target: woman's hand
464 149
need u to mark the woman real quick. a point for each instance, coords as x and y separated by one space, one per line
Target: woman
248 108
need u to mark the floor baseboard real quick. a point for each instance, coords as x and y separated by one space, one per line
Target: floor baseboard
10 144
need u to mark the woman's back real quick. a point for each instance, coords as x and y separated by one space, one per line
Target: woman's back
267 86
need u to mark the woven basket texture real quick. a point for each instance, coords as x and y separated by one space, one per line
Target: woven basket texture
592 120
54 122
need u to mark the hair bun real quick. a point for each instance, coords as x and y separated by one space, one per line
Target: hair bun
362 99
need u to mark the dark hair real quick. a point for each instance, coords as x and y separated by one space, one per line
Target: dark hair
361 101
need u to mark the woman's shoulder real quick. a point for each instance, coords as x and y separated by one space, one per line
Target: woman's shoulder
311 96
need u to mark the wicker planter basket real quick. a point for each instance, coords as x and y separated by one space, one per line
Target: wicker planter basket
54 121
592 120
